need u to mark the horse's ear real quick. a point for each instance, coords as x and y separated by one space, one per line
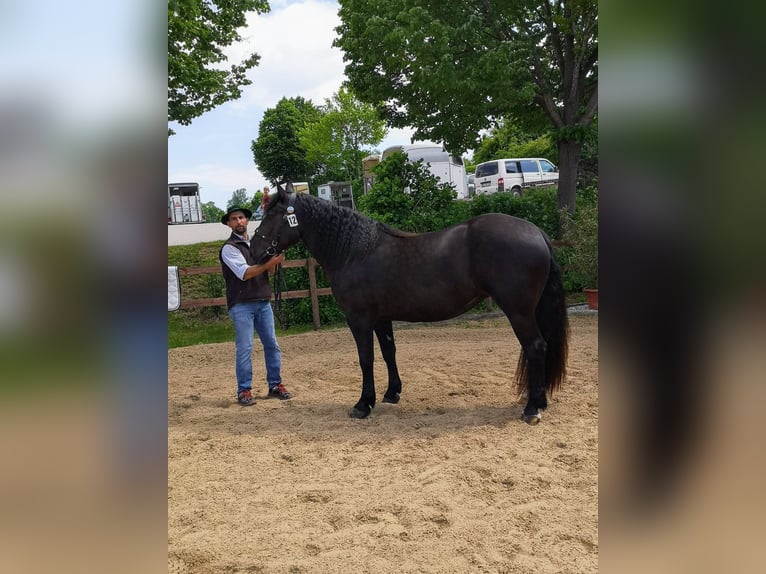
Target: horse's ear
289 187
282 191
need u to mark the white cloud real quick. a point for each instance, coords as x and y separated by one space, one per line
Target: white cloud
297 57
294 41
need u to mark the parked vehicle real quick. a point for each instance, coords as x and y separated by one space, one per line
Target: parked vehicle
514 175
447 168
338 192
184 204
471 184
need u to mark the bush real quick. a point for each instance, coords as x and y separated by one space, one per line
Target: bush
542 146
538 206
427 206
298 311
581 231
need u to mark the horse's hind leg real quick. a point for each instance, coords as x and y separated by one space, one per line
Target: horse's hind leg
532 362
385 333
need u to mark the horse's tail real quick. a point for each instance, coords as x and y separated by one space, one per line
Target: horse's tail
553 322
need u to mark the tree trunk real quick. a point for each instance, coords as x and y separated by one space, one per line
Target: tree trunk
569 159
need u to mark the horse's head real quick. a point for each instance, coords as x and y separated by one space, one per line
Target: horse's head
279 228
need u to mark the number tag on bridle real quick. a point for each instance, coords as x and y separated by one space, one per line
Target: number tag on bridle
292 221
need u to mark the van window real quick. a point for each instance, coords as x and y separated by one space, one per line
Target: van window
485 169
547 166
456 160
529 166
512 167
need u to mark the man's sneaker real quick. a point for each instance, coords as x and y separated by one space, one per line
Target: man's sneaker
245 398
279 392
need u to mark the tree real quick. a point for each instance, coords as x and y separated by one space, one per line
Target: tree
427 204
509 140
450 68
278 152
212 212
337 140
238 198
255 202
198 31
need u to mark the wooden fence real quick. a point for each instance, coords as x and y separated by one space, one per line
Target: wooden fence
312 291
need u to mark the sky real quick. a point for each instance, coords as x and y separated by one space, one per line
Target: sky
294 41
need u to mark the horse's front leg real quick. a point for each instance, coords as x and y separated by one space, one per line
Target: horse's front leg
385 333
362 331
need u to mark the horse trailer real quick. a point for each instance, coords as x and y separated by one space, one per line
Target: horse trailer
184 204
337 192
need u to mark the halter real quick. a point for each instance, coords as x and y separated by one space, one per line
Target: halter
292 221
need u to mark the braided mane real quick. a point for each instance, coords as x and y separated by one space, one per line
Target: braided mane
341 234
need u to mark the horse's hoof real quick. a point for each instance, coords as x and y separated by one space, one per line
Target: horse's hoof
393 400
356 413
532 419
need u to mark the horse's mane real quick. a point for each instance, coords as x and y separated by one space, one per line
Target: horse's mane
343 234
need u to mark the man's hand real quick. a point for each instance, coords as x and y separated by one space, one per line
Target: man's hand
274 261
255 270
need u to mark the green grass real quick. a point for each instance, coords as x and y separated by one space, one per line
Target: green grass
575 298
184 330
200 326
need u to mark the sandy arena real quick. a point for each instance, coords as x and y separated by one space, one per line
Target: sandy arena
450 480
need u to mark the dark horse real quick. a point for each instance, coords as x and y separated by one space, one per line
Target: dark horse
379 274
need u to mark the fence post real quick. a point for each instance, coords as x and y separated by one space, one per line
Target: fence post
311 263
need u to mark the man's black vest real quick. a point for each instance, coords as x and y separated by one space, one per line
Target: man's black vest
238 291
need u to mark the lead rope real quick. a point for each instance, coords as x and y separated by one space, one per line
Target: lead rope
279 283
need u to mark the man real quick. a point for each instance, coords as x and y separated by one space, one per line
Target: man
248 296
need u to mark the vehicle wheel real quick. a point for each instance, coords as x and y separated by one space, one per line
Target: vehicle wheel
516 191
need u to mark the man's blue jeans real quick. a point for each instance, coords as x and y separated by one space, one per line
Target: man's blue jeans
249 317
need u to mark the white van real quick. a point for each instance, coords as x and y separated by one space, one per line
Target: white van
514 175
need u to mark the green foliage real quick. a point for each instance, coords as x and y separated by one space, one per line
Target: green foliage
538 147
538 206
340 138
581 231
255 202
278 152
427 206
508 139
587 173
198 33
450 68
212 212
298 311
238 198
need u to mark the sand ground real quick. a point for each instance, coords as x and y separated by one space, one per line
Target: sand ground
449 480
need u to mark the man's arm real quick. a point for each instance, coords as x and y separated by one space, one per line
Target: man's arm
236 262
255 270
